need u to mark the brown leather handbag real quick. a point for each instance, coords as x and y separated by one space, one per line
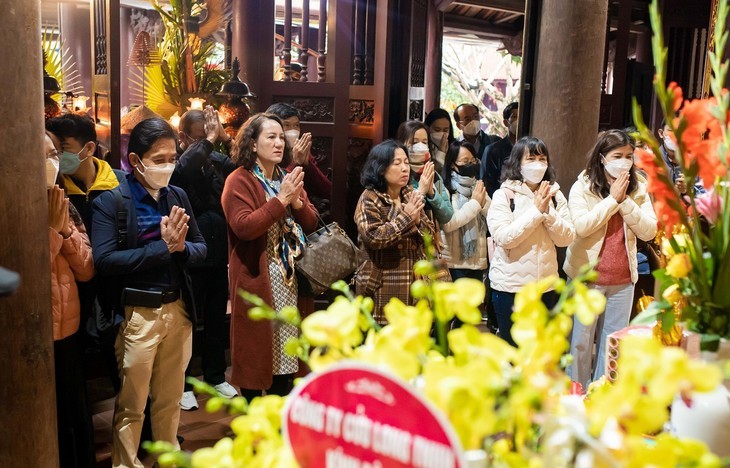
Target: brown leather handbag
329 256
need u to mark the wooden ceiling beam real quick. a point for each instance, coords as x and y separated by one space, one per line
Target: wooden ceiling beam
506 6
480 27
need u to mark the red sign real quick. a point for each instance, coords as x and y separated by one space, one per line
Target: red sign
358 416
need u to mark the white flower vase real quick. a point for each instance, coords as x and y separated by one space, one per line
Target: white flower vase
707 417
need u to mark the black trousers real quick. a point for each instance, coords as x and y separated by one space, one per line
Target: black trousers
504 303
75 428
210 287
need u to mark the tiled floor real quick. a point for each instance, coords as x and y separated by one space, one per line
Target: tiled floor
199 429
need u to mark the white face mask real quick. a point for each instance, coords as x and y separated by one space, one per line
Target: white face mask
418 148
669 145
157 176
472 128
292 136
513 128
436 137
533 172
616 167
52 165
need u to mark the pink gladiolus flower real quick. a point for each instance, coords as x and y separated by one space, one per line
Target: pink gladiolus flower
709 205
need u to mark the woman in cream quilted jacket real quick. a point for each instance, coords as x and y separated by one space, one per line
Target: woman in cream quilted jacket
527 219
610 208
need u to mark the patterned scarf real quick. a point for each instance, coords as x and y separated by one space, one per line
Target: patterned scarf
471 231
291 244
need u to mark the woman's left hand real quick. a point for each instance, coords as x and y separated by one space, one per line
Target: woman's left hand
542 197
425 183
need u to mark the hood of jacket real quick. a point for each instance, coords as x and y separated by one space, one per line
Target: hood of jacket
105 180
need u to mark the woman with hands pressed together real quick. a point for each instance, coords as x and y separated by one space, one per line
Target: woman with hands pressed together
610 209
424 176
390 222
268 214
528 218
71 261
465 236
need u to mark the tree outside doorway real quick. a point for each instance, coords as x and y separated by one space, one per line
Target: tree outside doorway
480 72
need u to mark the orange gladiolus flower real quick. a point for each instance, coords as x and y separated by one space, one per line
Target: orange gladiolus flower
658 189
700 140
677 93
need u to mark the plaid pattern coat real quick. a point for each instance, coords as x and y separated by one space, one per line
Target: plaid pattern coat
392 243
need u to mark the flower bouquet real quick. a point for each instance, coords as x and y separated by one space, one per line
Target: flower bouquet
696 281
512 404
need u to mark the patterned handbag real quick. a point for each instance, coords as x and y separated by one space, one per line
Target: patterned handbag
329 255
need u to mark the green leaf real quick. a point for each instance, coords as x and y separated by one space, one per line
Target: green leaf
651 313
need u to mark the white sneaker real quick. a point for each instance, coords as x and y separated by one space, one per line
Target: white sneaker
188 402
226 390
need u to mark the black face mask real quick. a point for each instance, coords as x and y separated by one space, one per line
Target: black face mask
470 170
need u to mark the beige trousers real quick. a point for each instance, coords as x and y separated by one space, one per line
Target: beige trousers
153 348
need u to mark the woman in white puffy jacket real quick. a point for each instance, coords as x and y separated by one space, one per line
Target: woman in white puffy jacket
528 218
464 237
610 208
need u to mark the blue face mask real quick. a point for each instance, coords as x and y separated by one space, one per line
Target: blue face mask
70 162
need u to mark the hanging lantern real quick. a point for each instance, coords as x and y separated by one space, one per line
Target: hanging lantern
239 104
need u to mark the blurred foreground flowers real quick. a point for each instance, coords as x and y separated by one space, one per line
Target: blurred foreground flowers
514 403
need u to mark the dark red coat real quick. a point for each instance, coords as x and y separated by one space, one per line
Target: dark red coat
248 217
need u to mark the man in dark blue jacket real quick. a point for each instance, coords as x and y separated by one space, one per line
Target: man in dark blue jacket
201 172
498 152
146 238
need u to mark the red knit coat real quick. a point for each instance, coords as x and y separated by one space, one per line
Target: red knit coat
249 217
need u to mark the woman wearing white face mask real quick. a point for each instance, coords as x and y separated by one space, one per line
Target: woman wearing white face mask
148 257
610 208
527 219
424 177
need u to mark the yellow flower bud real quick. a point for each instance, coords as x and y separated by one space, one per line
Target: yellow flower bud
679 265
672 294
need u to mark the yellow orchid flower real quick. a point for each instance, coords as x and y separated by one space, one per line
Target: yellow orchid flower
679 265
586 304
338 326
400 315
461 298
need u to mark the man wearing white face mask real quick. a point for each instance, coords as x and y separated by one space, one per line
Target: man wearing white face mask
497 153
668 147
146 238
316 182
201 172
467 120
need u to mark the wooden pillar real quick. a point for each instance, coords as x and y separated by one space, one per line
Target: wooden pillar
434 40
567 83
252 42
27 396
74 21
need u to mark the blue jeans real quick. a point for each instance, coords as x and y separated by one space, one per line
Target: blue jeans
504 303
616 316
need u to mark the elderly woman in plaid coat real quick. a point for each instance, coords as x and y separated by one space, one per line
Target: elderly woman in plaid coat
390 223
